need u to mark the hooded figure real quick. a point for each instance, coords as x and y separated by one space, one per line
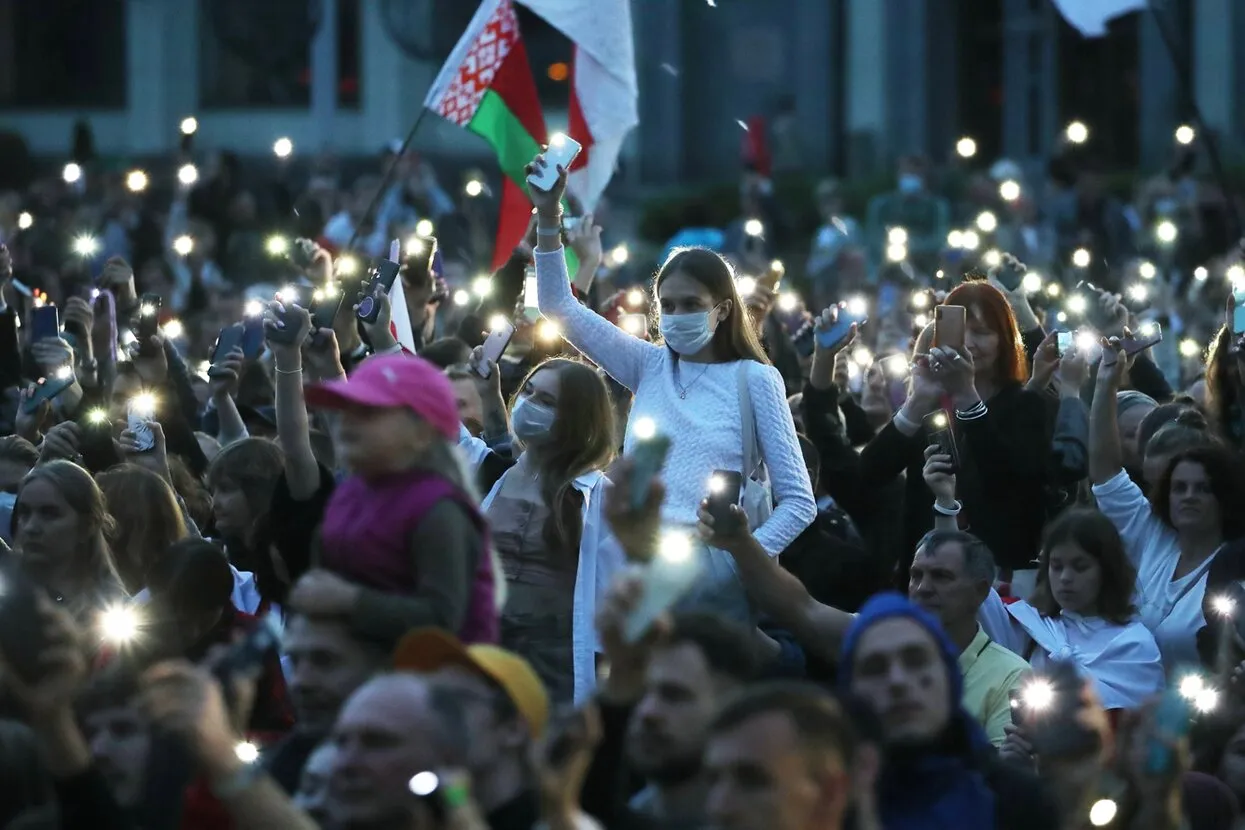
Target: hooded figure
934 784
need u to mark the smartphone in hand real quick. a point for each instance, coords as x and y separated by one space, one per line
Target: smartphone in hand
647 460
44 323
665 580
494 347
140 413
950 323
383 276
562 151
1238 311
941 435
148 317
725 490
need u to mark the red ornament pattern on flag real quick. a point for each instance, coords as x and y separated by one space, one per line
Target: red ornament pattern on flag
462 97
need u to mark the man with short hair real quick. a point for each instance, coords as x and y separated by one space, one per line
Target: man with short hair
326 663
951 576
657 703
506 709
118 734
777 758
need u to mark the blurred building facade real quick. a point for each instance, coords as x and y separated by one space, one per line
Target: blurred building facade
846 85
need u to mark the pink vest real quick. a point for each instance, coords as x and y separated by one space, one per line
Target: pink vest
366 539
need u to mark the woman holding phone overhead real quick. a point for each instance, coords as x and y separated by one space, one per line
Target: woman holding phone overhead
706 387
969 377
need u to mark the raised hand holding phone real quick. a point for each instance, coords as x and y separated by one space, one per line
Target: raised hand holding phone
547 202
557 159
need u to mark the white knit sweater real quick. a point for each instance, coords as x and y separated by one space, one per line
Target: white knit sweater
705 428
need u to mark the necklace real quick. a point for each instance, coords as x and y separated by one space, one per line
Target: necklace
683 390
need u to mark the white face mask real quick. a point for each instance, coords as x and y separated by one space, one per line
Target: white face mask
531 421
687 334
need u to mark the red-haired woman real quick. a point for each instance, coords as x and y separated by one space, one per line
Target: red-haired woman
1001 432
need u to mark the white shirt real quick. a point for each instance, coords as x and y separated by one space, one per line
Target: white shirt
705 428
1123 660
1170 608
600 560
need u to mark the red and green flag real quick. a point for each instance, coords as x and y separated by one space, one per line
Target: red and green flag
487 86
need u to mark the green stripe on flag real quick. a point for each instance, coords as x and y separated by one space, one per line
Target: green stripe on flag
514 145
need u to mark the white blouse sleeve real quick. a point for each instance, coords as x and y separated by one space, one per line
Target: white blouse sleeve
621 355
1122 501
796 508
1000 626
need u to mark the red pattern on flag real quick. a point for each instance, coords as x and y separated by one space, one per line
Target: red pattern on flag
462 97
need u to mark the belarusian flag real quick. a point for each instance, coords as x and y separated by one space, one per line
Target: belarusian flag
603 105
487 86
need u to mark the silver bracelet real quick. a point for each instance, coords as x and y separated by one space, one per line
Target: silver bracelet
977 410
550 232
280 371
948 511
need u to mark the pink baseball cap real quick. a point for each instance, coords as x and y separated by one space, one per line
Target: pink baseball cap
394 381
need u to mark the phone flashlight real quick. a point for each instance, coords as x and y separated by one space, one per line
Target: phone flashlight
1103 812
189 125
1207 700
992 258
969 240
1146 270
857 306
282 148
644 429
288 294
461 297
253 308
97 417
675 546
173 329
473 188
143 405
1076 132
896 253
1190 347
1077 304
1085 341
277 245
955 239
618 255
482 286
136 181
347 266
246 752
423 228
788 302
1185 134
920 299
548 331
896 366
25 220
72 173
987 222
897 236
85 245
939 420
862 357
64 373
1192 685
1039 695
1081 258
1166 232
1009 190
424 784
497 322
188 174
753 227
716 484
1032 282
119 624
635 297
183 245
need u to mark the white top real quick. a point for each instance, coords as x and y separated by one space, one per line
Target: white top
1123 660
601 558
705 429
1171 608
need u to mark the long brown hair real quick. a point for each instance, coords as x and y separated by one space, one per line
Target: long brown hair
582 440
1095 534
990 304
146 520
735 337
88 567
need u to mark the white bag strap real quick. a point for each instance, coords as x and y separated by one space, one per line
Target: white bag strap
752 453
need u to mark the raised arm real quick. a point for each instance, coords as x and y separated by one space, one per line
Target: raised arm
302 472
618 353
1106 456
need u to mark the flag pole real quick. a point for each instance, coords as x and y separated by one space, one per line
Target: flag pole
387 178
1184 77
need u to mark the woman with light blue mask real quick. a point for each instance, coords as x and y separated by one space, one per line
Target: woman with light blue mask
708 387
546 524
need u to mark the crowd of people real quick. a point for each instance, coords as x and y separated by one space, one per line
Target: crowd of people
945 529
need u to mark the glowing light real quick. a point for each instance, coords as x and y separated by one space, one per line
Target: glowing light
1009 190
1077 304
288 294
72 173
1081 258
992 258
189 125
136 181
633 324
85 245
188 174
97 416
414 246
119 624
896 253
1102 812
1147 271
1235 274
1061 317
64 373
897 236
1039 695
1191 686
857 306
920 321
675 547
24 220
424 228
482 286
183 245
970 240
1148 329
1207 700
862 357
473 188
424 784
1224 605
282 148
143 405
462 297
253 308
1085 341
173 329
747 286
966 148
896 365
618 255
247 752
920 299
777 267
939 420
1138 293
1185 134
788 302
1077 132
347 266
1166 232
635 297
955 239
1032 283
987 222
716 484
497 322
277 245
645 428
753 227
548 331
1200 273
1190 348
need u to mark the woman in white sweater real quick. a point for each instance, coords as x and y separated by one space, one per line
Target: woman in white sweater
688 387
